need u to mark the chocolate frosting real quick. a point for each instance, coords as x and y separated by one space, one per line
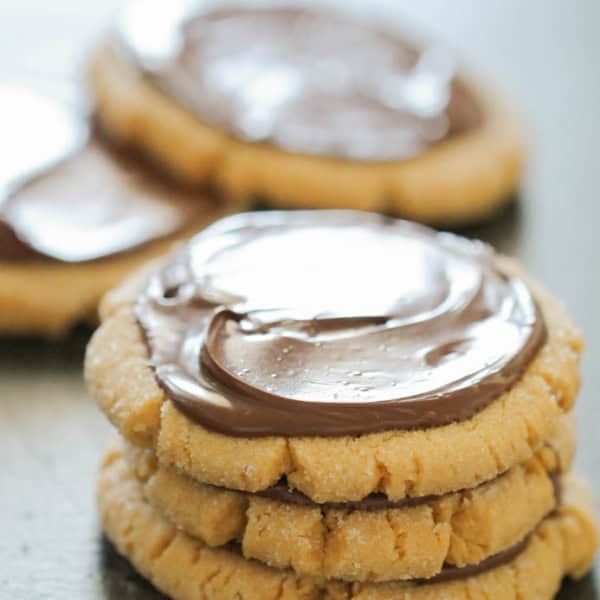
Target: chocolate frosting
304 81
69 196
282 492
334 323
452 573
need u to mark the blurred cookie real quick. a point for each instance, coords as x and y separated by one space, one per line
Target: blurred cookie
304 109
77 214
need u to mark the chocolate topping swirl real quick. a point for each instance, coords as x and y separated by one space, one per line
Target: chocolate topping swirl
303 81
69 196
335 323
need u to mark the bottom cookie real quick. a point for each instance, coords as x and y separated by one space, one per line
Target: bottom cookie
186 569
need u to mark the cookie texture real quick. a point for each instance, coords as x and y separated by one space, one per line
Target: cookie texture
396 463
462 179
360 545
185 568
48 298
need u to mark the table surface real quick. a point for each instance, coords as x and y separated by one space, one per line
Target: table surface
544 54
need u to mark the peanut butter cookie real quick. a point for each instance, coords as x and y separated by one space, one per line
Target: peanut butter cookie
185 568
370 540
77 214
349 353
303 109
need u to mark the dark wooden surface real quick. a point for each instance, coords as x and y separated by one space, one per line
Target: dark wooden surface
545 54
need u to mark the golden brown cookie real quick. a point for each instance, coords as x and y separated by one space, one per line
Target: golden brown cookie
398 463
184 568
308 122
77 214
48 298
368 542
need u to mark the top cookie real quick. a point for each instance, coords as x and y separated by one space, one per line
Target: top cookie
348 115
351 353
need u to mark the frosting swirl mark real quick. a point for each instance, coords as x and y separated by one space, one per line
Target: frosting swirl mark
335 323
304 81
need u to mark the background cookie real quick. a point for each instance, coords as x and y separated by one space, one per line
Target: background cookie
77 215
313 119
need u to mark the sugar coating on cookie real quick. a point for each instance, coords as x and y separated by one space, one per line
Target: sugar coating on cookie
183 567
364 541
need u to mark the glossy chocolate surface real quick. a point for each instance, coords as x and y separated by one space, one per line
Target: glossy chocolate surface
334 323
69 196
304 81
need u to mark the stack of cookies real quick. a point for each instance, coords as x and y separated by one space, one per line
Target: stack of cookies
334 404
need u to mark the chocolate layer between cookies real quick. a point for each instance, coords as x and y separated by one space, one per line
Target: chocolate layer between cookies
355 540
573 521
